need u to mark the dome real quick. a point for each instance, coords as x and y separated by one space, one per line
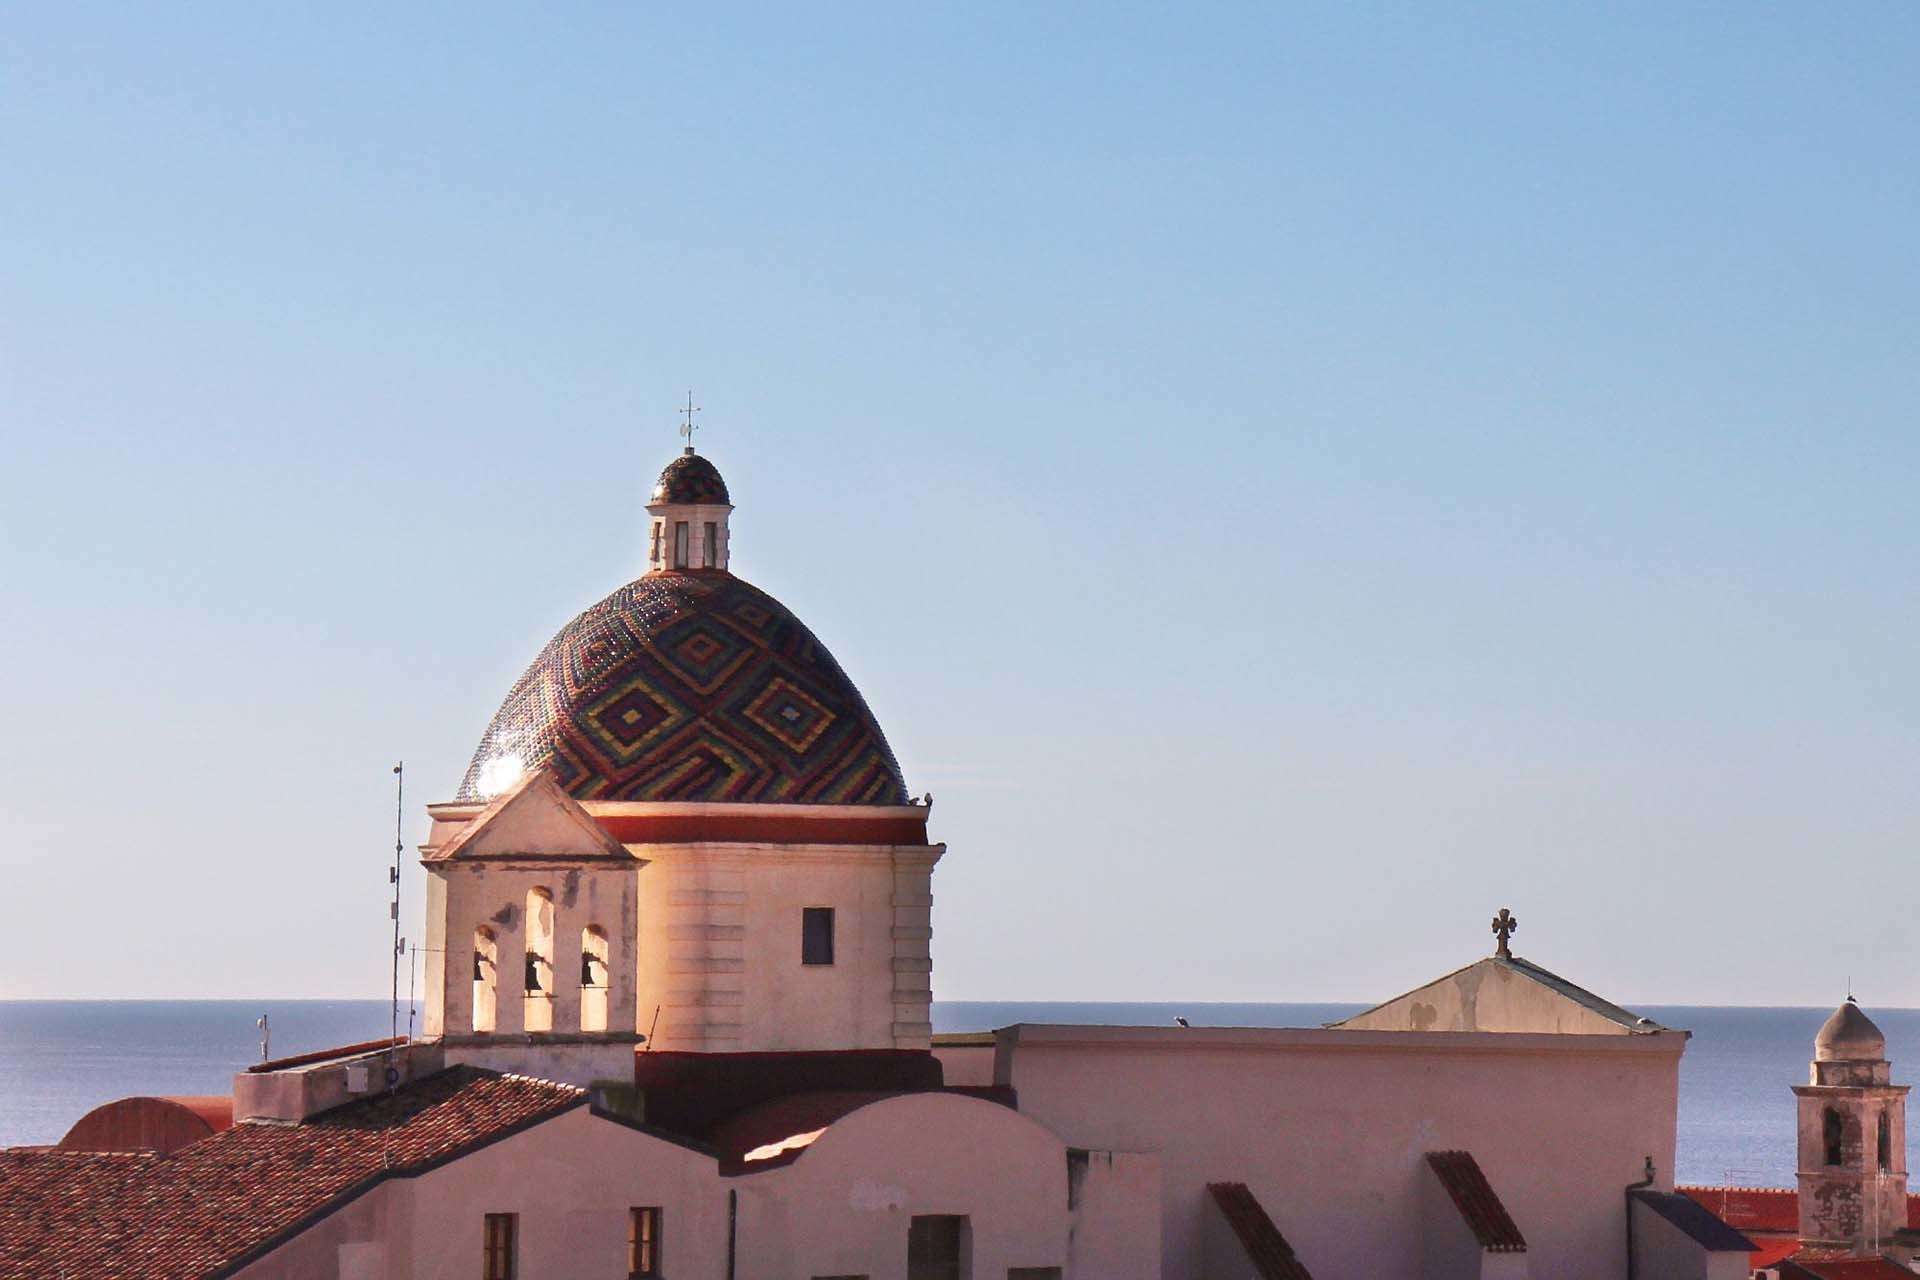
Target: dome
690 478
684 686
1849 1036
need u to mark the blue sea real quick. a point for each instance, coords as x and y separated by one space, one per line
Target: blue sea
60 1058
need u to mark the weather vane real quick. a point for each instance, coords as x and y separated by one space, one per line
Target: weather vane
688 427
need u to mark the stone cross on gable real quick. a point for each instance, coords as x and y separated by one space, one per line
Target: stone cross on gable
1504 926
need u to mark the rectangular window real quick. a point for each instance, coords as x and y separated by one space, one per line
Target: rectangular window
1033 1273
500 1246
710 555
655 557
816 935
679 544
643 1242
936 1247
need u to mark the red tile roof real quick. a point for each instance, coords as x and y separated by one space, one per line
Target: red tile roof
1843 1269
1750 1209
1766 1209
1268 1250
1474 1197
225 1200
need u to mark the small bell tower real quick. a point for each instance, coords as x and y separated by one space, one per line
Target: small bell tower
1853 1139
687 532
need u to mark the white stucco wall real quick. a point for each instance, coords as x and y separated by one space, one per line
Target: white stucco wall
494 894
966 1065
1330 1129
1116 1215
719 946
844 1206
571 1180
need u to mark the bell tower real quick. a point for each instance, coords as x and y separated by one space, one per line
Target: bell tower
1853 1138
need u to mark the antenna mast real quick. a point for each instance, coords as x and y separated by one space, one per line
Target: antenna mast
399 943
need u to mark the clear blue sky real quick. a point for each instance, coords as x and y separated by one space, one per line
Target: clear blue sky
1290 480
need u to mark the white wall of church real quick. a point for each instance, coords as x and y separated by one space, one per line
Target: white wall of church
720 946
1330 1129
571 1181
844 1207
493 894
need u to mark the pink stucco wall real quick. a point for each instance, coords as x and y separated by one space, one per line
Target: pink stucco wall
572 1180
842 1208
1329 1129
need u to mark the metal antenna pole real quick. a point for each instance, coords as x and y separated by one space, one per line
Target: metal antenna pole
399 792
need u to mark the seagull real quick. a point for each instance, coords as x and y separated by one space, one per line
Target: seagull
1182 1022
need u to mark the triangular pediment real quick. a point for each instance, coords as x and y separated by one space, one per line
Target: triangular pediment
534 818
1502 993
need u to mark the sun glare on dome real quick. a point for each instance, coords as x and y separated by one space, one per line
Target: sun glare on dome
499 773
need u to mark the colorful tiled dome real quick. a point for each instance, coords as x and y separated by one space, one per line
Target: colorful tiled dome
689 687
690 478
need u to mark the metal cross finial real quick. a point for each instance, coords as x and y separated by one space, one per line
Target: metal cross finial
1504 926
688 427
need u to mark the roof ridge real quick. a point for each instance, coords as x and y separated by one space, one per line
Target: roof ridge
554 1084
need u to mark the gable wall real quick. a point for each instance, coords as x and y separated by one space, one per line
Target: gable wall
1330 1130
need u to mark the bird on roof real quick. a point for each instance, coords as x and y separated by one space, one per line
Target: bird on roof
1182 1022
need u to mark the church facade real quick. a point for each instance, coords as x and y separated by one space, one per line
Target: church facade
679 929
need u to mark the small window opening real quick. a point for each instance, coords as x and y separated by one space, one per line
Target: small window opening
710 552
1885 1143
679 544
653 556
936 1247
643 1242
1033 1273
499 1246
593 978
816 935
486 977
539 997
1832 1130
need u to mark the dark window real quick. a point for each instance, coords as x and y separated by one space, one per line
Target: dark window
655 557
1033 1273
1832 1129
643 1242
1886 1141
936 1244
816 935
499 1246
712 557
679 544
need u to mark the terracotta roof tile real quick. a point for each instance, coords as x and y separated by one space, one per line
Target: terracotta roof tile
1474 1197
226 1199
1806 1268
1766 1209
1272 1257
